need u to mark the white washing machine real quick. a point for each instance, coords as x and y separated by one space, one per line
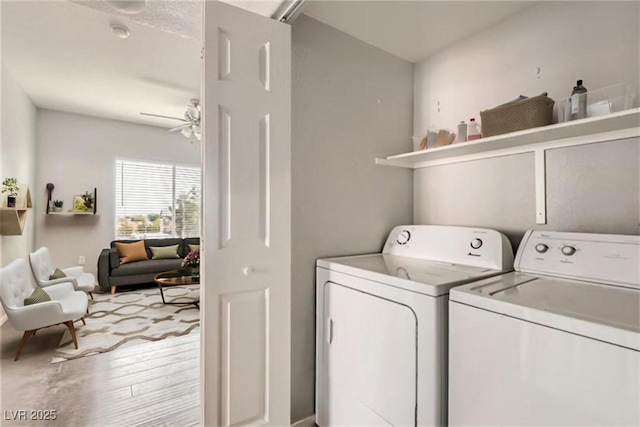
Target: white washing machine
557 342
381 326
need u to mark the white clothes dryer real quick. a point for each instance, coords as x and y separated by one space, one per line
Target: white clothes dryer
557 342
381 354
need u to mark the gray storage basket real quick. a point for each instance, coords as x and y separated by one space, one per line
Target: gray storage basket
525 114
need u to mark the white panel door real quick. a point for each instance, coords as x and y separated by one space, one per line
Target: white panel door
371 349
246 228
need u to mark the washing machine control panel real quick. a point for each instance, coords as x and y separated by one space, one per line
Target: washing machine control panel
602 258
403 237
476 243
541 248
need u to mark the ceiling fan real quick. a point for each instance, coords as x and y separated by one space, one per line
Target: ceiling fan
190 123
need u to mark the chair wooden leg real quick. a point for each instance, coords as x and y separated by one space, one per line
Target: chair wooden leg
83 322
91 295
72 329
25 337
113 289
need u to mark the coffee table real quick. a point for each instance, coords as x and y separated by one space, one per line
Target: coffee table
176 278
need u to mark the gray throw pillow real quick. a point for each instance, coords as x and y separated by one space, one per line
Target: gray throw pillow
57 274
37 296
164 252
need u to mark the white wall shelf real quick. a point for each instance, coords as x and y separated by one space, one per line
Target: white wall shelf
615 126
73 213
625 124
12 220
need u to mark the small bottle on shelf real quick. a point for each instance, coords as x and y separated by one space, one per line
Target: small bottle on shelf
462 131
579 101
473 130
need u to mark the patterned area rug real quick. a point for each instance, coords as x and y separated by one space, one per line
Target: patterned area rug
131 318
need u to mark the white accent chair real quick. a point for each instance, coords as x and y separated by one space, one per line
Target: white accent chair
42 268
66 305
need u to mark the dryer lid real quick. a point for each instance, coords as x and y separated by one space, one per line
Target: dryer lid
427 277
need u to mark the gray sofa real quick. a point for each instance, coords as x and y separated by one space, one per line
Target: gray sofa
112 274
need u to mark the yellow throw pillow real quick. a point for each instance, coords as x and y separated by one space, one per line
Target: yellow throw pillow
130 252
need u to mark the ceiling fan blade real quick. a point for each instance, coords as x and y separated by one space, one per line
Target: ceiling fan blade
163 117
179 128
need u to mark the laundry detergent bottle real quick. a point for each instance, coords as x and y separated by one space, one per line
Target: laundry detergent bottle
473 130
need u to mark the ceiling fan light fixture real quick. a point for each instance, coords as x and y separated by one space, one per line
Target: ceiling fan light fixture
190 123
119 30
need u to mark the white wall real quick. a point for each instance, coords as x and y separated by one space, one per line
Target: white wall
18 157
590 188
351 103
597 42
77 153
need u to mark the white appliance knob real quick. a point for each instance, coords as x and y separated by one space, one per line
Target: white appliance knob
568 250
247 271
403 237
476 243
542 248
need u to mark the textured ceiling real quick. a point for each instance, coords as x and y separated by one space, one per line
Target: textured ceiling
64 56
182 18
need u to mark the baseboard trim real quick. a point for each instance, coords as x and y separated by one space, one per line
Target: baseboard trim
306 422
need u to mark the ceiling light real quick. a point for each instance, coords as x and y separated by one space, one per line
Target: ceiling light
119 30
130 7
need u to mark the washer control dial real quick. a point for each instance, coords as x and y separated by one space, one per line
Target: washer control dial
476 243
403 237
568 250
541 248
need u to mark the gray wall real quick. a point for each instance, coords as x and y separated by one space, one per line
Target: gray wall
351 103
18 159
591 188
77 153
598 42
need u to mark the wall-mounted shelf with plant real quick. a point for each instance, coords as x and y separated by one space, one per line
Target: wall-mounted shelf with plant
10 187
14 207
83 204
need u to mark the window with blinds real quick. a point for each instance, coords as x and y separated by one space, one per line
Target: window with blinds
157 200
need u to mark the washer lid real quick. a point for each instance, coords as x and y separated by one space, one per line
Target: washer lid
603 312
423 276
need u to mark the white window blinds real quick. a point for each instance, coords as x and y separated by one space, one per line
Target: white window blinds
157 200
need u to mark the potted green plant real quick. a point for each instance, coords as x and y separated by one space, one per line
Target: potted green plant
10 186
57 205
88 200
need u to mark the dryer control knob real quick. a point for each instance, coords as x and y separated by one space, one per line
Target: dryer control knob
403 237
568 250
476 243
542 248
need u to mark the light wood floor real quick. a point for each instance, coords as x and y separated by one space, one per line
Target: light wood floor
150 384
